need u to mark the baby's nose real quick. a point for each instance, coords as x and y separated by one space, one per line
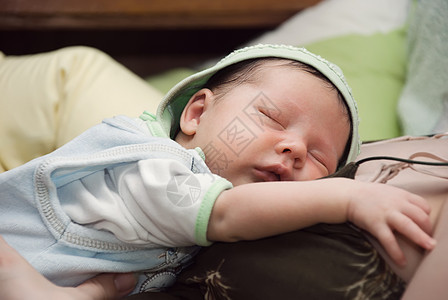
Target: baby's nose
296 152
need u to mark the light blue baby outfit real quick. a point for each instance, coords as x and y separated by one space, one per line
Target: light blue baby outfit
33 220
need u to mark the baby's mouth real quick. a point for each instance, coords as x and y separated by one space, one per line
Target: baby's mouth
266 176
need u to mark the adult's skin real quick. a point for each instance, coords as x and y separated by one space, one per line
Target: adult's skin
19 280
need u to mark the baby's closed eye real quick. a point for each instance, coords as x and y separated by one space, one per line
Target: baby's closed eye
268 117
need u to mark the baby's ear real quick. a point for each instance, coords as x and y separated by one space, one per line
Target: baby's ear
193 111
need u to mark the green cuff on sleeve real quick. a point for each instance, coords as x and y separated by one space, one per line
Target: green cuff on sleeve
205 210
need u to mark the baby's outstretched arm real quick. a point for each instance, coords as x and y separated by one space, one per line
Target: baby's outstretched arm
259 210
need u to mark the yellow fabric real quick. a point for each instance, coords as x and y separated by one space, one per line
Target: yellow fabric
47 99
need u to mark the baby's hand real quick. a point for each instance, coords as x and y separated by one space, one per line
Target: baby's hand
381 209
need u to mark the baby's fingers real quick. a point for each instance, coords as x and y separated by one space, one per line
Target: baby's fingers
407 227
419 216
389 242
420 202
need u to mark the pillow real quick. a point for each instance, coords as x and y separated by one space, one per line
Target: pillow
333 18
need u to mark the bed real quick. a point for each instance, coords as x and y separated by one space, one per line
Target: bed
159 42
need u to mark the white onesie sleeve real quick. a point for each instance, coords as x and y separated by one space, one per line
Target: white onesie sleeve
159 201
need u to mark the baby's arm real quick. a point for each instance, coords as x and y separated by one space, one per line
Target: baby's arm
259 210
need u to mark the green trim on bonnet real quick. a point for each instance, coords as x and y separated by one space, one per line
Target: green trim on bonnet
171 107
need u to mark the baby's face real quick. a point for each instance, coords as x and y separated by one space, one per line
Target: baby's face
288 126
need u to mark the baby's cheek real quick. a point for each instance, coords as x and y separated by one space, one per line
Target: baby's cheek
318 170
310 172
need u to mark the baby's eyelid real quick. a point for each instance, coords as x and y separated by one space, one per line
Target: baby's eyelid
264 112
269 115
320 160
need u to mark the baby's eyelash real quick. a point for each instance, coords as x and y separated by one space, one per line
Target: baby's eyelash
264 114
268 115
319 159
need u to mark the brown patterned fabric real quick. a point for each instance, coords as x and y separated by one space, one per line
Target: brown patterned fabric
320 262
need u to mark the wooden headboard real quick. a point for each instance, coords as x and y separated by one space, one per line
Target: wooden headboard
146 35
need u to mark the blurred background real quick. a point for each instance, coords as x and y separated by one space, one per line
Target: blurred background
392 53
148 36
